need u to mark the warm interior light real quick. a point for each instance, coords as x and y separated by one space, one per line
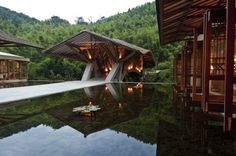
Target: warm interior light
130 67
138 69
89 56
109 68
106 69
212 68
120 55
130 90
139 85
234 58
90 103
106 88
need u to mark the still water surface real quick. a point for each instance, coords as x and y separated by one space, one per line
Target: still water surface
134 120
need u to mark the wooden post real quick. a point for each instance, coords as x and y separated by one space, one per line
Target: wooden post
207 51
8 70
183 76
184 67
195 45
229 64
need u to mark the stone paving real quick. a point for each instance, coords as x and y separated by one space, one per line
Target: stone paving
8 95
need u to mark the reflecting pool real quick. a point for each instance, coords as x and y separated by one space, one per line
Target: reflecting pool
134 120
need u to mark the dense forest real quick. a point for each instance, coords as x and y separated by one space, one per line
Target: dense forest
137 26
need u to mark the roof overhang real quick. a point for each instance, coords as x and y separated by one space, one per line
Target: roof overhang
94 44
7 56
7 40
178 18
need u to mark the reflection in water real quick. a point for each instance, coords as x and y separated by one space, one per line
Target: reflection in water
116 106
23 126
149 121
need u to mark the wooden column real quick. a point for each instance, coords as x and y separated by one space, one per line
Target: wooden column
8 70
229 64
183 70
206 64
195 45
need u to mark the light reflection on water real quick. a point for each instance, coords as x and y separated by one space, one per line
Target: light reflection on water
47 126
44 140
134 120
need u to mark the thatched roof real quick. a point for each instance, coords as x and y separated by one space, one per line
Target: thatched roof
67 48
7 40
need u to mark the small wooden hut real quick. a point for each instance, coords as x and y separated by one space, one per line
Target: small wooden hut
13 68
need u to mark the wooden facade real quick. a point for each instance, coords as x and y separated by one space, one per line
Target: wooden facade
13 68
208 67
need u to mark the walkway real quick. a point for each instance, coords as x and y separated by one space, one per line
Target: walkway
8 95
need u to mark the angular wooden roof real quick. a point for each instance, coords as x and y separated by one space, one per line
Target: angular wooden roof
7 40
177 18
74 47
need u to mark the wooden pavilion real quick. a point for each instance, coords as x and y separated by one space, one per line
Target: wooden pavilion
106 58
13 68
207 61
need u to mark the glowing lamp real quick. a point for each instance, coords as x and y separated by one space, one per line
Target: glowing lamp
130 90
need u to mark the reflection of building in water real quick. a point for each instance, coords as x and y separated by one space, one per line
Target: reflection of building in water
194 132
116 106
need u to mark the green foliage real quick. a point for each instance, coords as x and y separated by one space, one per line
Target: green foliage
137 26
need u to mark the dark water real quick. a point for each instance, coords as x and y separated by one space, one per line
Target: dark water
134 120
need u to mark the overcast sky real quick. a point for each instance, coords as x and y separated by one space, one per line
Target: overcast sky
70 9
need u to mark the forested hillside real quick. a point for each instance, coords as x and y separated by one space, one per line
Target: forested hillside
137 26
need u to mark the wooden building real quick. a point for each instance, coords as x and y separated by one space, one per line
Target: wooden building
106 58
207 62
13 68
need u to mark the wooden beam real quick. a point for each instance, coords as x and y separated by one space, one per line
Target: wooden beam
128 56
108 52
229 64
80 53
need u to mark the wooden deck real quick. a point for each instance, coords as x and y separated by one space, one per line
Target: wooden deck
8 95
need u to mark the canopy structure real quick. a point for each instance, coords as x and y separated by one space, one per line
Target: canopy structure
105 57
177 18
7 40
